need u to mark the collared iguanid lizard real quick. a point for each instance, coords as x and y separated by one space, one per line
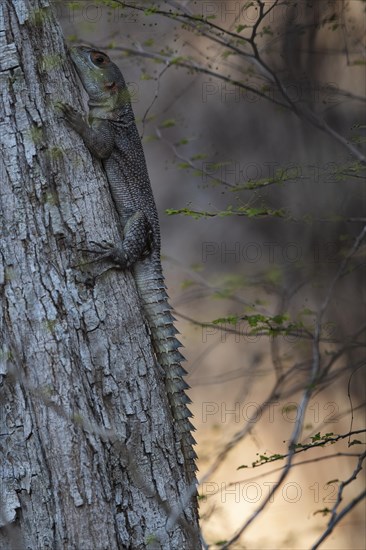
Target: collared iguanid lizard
111 135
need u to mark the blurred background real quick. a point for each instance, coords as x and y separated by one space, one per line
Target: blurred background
254 129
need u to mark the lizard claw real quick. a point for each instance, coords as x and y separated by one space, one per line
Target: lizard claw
104 245
62 107
71 115
108 251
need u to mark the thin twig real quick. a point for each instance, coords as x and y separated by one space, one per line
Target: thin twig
336 517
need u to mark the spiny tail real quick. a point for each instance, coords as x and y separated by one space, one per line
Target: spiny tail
161 321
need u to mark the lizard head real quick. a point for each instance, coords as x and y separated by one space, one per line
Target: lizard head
101 78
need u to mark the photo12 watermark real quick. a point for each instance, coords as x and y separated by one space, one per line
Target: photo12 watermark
273 411
322 93
242 331
270 253
250 174
87 11
252 492
246 14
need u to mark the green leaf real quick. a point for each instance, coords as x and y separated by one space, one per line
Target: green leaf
199 156
307 311
276 457
168 123
176 60
231 320
279 319
187 283
355 442
323 511
227 54
183 166
150 11
146 76
266 30
149 42
186 212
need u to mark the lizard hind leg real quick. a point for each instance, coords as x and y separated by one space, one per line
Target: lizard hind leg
136 245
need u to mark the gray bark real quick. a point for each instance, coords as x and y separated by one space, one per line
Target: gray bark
87 452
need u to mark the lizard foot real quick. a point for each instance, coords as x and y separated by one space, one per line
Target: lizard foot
71 115
108 251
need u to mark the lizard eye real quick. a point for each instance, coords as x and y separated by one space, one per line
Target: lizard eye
99 58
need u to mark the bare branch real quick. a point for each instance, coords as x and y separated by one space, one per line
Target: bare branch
336 517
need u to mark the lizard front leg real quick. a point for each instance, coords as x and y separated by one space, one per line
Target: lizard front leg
98 138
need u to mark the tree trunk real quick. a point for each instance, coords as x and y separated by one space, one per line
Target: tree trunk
88 458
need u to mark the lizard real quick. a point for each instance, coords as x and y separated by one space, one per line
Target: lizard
111 135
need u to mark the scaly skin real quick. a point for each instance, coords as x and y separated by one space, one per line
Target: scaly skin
112 136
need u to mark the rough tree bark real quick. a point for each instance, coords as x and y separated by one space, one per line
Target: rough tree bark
87 453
